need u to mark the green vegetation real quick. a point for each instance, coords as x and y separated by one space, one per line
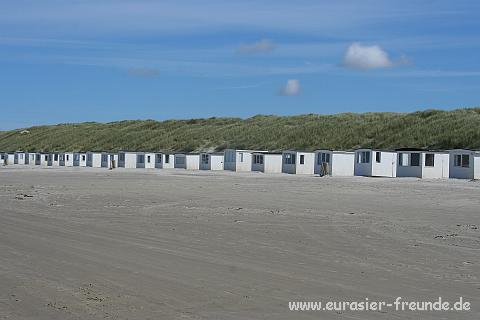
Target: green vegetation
432 129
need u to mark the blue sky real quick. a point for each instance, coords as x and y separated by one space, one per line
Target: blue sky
106 60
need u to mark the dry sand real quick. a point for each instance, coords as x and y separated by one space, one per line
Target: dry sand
137 244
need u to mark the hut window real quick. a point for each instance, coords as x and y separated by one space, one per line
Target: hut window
363 157
378 156
55 157
302 159
205 158
323 158
68 157
429 160
403 159
180 160
289 158
148 159
462 160
167 158
241 156
415 159
46 158
458 160
465 160
83 157
258 159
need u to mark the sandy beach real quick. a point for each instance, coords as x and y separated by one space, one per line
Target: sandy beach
83 243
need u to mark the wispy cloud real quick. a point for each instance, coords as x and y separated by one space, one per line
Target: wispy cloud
291 88
262 46
126 17
242 87
126 33
433 74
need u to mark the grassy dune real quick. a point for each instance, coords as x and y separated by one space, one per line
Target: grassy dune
432 129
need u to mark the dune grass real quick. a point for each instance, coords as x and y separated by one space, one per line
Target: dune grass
432 129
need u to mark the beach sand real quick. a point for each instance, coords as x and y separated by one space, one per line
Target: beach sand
84 243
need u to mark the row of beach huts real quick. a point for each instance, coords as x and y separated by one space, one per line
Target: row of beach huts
458 163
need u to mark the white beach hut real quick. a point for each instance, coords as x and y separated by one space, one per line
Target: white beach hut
54 159
20 158
192 161
422 164
164 160
38 158
298 162
238 160
465 164
140 160
112 160
189 161
61 159
375 163
127 160
101 159
42 159
10 158
79 159
131 160
335 163
211 161
109 160
30 158
66 159
267 162
150 160
94 159
180 161
6 159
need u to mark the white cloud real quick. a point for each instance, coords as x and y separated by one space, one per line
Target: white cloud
363 57
264 45
292 88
